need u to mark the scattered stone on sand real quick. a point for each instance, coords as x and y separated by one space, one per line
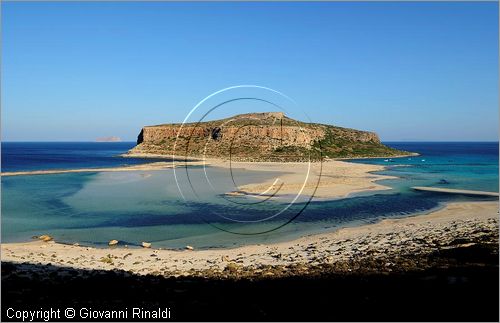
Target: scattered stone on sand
146 244
389 245
113 242
45 238
108 259
232 267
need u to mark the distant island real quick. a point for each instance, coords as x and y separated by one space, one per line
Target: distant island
108 139
269 136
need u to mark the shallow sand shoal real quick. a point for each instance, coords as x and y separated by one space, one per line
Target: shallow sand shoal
328 180
388 238
454 191
140 167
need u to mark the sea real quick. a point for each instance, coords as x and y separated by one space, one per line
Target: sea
187 206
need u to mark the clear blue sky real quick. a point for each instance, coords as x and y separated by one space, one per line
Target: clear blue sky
409 71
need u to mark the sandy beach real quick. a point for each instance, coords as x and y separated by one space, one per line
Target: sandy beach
388 239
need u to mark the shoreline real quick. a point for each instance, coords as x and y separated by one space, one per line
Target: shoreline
454 191
160 165
386 157
152 155
452 275
387 239
140 167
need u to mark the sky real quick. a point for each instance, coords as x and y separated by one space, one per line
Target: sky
408 71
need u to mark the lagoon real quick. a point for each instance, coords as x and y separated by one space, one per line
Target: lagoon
136 206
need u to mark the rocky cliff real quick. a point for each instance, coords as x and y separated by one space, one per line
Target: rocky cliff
260 137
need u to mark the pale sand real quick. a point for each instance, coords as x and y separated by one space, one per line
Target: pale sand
338 178
141 167
454 191
389 238
328 180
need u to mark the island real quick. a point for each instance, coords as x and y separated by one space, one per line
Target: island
268 136
108 139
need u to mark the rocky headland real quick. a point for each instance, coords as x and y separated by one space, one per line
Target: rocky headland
270 136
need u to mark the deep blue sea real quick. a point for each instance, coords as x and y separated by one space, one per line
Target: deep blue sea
93 208
28 156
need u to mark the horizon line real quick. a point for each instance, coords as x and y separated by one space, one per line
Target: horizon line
94 141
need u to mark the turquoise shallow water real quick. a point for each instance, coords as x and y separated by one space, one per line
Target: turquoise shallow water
456 165
93 208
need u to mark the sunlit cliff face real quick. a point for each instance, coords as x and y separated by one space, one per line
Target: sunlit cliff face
255 136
